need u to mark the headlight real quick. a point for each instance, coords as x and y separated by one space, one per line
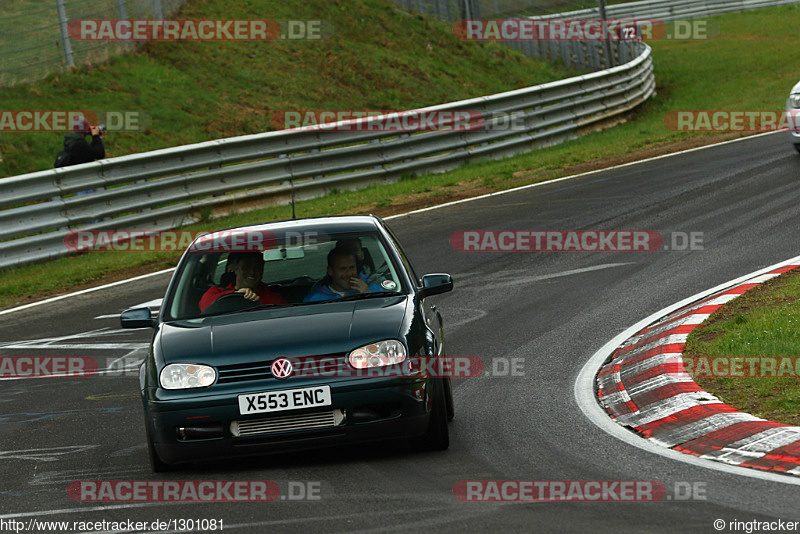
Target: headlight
378 354
794 100
187 375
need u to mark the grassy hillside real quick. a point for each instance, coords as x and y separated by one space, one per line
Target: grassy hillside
376 58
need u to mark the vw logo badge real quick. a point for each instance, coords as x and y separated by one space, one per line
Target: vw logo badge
281 368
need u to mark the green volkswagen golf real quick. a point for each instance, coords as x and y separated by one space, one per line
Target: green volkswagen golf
290 335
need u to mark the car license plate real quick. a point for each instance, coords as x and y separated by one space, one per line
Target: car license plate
288 399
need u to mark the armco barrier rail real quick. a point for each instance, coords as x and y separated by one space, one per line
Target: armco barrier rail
167 188
664 10
670 10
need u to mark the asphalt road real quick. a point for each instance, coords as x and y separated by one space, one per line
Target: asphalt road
549 310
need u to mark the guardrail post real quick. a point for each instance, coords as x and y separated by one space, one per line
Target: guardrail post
63 21
121 10
610 57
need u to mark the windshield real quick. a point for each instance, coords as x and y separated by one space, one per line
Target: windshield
290 271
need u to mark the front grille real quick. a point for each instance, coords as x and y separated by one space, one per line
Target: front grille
242 372
327 365
287 423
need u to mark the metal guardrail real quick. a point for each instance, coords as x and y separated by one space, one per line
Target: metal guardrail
664 10
671 9
166 188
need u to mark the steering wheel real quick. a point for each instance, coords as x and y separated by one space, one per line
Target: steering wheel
229 302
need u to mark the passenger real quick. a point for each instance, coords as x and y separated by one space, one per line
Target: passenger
248 268
344 279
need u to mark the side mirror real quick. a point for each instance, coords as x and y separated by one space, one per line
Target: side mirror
137 318
433 284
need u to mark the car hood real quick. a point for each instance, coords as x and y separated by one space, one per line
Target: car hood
318 329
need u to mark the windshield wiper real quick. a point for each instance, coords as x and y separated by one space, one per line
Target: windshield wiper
253 308
265 306
360 296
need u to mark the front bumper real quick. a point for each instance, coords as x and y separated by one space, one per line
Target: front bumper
196 428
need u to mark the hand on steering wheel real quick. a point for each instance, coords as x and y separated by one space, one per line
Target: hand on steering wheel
248 293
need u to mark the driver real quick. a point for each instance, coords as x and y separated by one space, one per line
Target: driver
344 279
247 267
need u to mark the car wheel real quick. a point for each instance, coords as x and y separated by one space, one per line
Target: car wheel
156 463
448 393
797 147
437 437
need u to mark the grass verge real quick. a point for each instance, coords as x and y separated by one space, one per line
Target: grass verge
751 351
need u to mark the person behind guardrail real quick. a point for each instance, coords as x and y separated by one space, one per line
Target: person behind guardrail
76 149
248 268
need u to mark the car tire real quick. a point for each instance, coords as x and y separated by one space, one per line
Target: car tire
797 147
448 393
437 436
156 463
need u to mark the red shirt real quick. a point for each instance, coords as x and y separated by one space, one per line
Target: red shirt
265 295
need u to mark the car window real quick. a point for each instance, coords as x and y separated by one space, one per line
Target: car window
404 258
294 273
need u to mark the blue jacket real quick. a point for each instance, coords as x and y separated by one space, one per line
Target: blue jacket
323 292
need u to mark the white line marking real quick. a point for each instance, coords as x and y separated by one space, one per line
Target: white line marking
578 271
515 280
113 365
51 342
584 390
84 509
92 334
588 173
84 291
44 455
